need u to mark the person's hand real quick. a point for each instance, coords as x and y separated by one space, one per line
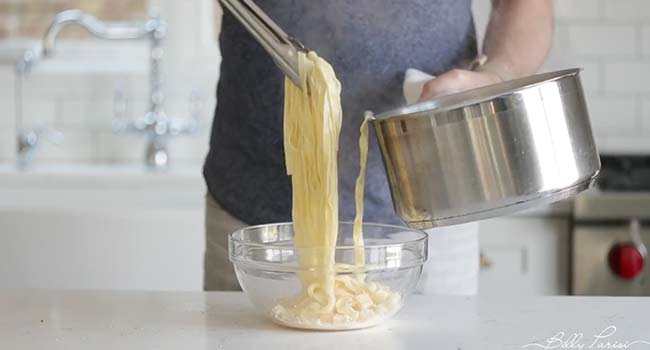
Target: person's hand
457 80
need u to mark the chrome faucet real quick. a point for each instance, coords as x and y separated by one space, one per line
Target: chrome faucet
155 123
29 140
104 30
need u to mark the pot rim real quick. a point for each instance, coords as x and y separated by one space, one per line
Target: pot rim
474 96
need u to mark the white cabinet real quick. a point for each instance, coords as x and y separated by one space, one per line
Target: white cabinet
525 255
100 227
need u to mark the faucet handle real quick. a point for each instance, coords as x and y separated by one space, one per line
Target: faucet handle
28 141
31 138
54 137
26 61
187 125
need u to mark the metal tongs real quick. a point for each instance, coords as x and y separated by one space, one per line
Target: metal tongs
282 48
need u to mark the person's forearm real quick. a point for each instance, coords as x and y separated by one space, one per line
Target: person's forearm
518 37
517 40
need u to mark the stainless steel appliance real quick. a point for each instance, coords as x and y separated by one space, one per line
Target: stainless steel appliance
611 231
489 151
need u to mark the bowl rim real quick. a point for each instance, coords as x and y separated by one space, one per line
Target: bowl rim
424 236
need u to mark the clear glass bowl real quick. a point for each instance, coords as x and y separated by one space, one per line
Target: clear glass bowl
268 269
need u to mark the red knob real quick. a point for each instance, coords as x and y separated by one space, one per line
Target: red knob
626 260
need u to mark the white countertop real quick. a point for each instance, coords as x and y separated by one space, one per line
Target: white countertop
46 319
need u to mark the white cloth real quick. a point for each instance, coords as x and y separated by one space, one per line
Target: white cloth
414 80
453 264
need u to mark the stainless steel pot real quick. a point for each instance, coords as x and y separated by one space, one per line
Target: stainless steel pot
490 151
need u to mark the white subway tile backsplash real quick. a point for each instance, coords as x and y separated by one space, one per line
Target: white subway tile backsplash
77 146
49 84
578 9
7 144
623 144
7 111
644 117
591 75
191 148
139 106
177 109
627 77
131 147
602 40
179 106
181 83
645 40
140 87
610 39
626 9
6 80
79 84
7 105
7 115
91 112
127 147
40 111
613 115
561 40
207 111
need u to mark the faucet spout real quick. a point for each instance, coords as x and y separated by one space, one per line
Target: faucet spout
99 29
155 123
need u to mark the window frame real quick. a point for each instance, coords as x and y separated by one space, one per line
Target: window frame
190 18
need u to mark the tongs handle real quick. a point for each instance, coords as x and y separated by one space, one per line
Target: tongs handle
282 48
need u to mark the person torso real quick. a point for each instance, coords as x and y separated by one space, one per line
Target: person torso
370 44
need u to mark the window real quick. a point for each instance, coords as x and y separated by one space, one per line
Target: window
192 29
30 18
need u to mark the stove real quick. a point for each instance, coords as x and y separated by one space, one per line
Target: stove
612 230
624 174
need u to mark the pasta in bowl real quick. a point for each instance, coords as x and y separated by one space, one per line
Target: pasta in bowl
293 289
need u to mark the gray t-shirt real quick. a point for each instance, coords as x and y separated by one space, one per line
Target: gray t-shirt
370 44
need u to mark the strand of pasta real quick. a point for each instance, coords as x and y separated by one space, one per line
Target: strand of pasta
312 124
